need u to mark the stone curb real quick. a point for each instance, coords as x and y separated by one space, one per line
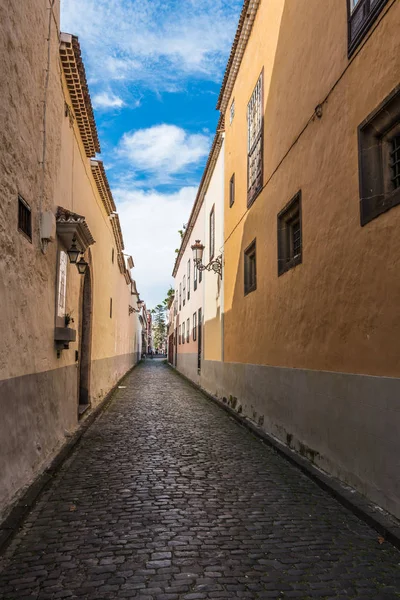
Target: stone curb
14 520
382 522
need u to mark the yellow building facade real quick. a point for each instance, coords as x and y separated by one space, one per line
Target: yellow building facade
307 310
311 251
67 338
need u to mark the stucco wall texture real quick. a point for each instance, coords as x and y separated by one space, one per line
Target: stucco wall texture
38 390
337 311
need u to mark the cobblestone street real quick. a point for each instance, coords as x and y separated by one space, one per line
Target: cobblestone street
166 497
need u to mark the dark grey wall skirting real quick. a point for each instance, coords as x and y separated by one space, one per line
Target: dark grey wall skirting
346 424
21 507
382 522
39 412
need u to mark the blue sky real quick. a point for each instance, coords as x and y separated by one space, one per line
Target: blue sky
154 70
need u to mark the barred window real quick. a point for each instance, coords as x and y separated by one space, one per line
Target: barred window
255 142
395 161
250 271
24 218
289 235
188 330
184 290
180 296
362 14
379 158
183 333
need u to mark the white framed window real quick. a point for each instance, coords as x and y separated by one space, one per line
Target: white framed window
62 284
232 111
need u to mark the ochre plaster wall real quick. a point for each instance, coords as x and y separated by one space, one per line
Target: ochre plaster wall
38 390
337 311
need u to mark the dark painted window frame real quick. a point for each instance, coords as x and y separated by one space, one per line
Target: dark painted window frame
24 213
360 21
250 286
374 136
285 261
232 191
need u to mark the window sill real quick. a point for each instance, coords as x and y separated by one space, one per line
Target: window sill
289 264
252 289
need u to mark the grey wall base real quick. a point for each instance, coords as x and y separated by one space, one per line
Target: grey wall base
346 424
38 414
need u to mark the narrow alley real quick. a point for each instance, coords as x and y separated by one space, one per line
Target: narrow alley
166 497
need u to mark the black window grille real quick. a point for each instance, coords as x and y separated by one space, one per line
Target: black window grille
395 162
24 218
362 14
250 268
290 235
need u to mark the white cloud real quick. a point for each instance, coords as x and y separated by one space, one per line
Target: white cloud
157 42
150 222
164 149
106 100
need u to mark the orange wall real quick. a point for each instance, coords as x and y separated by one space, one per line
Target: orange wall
338 310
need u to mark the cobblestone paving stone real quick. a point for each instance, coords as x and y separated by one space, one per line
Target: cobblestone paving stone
166 497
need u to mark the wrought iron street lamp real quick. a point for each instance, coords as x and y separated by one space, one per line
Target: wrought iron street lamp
140 304
214 265
73 252
82 265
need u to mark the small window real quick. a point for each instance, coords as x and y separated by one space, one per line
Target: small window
110 308
184 290
62 284
232 191
188 330
212 232
289 235
362 14
188 279
194 326
232 112
250 270
194 276
183 333
379 159
24 218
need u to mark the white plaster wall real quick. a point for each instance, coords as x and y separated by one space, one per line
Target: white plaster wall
196 297
213 288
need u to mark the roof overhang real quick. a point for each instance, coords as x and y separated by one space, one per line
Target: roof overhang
246 21
75 76
71 225
103 187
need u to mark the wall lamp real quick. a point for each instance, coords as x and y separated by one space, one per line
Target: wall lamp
140 304
214 265
73 254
